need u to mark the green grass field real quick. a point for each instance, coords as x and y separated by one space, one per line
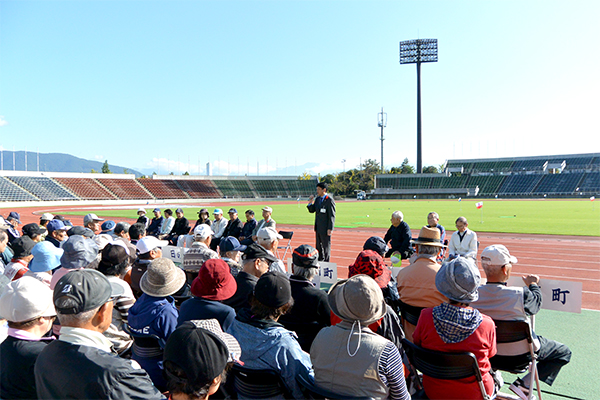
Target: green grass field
554 217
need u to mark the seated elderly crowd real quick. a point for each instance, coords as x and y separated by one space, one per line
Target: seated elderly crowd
96 312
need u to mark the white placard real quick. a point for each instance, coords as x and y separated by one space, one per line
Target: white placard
556 295
174 253
327 274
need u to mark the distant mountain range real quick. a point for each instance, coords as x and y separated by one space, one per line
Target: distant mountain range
55 162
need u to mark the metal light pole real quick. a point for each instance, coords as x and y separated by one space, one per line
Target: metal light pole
382 123
418 51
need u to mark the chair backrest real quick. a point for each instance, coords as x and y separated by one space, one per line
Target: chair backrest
311 391
410 313
515 346
287 234
442 365
258 383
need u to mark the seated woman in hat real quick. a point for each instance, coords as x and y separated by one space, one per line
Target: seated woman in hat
153 317
349 358
454 326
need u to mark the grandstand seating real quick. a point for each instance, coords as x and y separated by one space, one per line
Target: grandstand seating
564 183
449 182
297 187
86 188
590 183
125 189
163 188
269 188
9 191
519 184
488 184
234 188
198 189
44 188
404 182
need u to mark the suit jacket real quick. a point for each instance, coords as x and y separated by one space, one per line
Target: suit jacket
324 210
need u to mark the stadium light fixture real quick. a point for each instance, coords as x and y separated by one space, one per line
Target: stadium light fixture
382 123
418 51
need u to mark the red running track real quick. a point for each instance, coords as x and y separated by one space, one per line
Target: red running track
572 258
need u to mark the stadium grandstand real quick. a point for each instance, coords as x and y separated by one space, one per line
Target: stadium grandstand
21 186
571 175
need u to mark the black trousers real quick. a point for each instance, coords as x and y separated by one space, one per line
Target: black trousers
323 245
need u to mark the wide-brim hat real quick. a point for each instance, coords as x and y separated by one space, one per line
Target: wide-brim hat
46 257
430 237
458 280
214 281
162 278
370 263
79 252
358 298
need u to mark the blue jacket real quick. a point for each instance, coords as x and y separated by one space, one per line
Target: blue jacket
153 316
268 345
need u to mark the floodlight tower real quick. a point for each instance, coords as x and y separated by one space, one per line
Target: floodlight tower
418 51
382 123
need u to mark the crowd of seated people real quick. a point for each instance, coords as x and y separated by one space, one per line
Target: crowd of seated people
95 311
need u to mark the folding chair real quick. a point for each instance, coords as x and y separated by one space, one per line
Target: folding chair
286 235
311 391
257 383
410 313
442 365
508 332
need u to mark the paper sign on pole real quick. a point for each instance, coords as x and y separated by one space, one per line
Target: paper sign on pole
556 295
327 274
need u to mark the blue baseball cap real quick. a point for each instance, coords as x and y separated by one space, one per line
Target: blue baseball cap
231 244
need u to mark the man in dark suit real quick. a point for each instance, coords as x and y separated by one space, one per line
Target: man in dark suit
324 208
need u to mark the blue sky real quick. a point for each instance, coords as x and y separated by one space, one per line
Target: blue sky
286 83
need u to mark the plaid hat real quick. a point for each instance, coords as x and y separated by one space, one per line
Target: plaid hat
88 288
22 246
79 252
370 263
56 225
46 257
79 231
376 244
108 226
203 231
47 217
232 210
273 289
213 325
357 299
162 278
200 353
305 256
91 217
214 281
14 215
458 280
25 299
33 229
254 251
231 244
268 234
147 243
498 255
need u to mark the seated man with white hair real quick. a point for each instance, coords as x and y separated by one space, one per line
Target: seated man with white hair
269 239
199 252
399 236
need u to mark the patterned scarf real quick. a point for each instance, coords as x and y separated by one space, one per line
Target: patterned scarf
455 324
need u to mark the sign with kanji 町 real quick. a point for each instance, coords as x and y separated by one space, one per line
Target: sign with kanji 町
556 295
327 274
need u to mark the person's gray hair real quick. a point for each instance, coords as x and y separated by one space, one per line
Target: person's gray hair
304 272
426 249
436 215
3 235
398 215
74 320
